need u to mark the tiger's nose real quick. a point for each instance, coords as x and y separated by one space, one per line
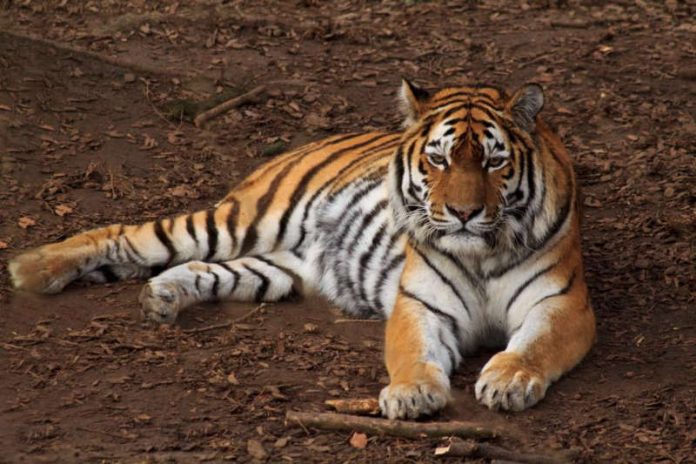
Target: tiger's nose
464 212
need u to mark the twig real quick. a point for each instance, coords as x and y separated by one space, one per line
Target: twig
570 24
101 432
472 449
154 108
112 60
224 107
396 428
225 325
345 321
362 407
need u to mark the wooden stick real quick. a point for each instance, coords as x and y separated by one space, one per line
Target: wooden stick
348 321
225 325
361 407
224 107
396 428
472 449
117 61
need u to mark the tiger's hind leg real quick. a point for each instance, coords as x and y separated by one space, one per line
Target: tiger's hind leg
269 277
127 251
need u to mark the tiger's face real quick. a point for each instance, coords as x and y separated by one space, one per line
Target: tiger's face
464 168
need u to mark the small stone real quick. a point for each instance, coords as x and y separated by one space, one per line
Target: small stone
129 77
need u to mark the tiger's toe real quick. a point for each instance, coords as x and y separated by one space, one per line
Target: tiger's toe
508 383
423 395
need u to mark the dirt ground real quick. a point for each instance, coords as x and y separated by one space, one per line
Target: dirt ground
87 141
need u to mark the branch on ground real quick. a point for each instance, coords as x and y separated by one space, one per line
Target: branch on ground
396 428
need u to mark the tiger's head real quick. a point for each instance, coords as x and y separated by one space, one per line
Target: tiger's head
463 175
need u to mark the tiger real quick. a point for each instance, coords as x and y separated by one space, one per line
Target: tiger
461 230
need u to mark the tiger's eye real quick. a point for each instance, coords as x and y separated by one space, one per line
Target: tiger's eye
496 162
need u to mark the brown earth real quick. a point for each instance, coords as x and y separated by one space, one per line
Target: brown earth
85 143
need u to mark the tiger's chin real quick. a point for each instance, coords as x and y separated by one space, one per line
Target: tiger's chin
466 244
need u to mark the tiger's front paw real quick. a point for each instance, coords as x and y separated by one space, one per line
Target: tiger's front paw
412 399
507 382
160 302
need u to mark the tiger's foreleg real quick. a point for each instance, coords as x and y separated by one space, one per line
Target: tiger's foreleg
417 362
553 337
423 343
268 277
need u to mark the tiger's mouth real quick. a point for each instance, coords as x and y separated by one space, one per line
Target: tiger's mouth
480 230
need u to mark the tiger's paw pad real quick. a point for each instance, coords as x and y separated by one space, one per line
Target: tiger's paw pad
160 302
507 382
412 400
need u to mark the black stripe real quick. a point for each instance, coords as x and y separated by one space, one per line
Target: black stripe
399 175
453 97
366 221
287 157
216 283
451 111
301 187
211 229
531 186
350 220
527 283
341 172
296 279
197 283
234 273
263 203
365 259
165 240
444 279
131 249
231 223
191 229
450 320
265 282
409 166
562 291
384 274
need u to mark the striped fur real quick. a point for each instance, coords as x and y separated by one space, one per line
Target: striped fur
461 230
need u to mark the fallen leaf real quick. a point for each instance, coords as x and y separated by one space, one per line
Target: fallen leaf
62 210
143 418
281 442
255 449
358 440
3 245
311 328
25 222
148 143
232 379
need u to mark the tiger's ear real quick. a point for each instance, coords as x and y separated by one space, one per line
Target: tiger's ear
412 101
525 104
